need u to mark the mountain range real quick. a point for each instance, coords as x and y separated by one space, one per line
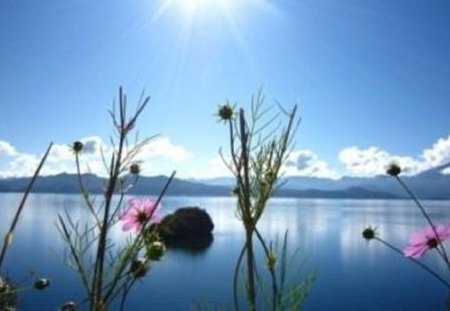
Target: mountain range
430 184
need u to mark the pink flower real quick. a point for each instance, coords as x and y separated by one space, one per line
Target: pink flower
138 213
423 240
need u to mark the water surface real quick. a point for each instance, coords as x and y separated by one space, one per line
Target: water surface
351 273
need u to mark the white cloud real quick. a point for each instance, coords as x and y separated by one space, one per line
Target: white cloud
61 158
307 163
7 149
206 169
21 165
94 145
299 163
162 147
161 156
60 153
438 154
446 171
373 161
158 154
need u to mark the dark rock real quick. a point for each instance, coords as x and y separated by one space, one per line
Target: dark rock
186 223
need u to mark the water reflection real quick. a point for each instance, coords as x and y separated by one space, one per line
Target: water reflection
327 232
194 246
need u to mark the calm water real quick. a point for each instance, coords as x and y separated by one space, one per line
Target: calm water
351 274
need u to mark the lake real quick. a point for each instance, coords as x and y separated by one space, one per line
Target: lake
351 274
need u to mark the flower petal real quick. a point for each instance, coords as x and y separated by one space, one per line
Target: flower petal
415 251
156 219
128 226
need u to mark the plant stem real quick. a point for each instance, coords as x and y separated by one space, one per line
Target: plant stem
235 278
114 175
423 266
250 270
9 235
442 252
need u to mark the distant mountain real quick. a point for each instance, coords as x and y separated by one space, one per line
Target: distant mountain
431 184
61 183
68 183
154 185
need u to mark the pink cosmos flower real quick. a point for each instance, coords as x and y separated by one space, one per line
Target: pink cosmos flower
138 213
420 242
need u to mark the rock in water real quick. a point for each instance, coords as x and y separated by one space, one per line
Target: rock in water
186 223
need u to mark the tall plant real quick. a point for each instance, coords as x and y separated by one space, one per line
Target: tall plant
256 156
113 270
430 238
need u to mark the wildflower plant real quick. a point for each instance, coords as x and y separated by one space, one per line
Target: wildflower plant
256 158
429 238
109 275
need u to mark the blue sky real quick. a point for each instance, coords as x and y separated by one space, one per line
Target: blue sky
371 78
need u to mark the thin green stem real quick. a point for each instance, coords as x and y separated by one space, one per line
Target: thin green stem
116 162
235 278
423 266
443 253
275 296
75 256
9 235
131 253
84 191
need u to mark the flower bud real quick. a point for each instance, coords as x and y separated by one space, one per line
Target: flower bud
68 306
394 169
369 233
138 268
226 112
271 260
135 169
42 283
155 250
270 175
8 295
77 147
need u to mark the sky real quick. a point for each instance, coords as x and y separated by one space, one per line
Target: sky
371 80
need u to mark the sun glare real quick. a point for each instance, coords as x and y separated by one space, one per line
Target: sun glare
191 8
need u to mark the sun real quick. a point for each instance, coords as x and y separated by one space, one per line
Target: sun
191 8
192 5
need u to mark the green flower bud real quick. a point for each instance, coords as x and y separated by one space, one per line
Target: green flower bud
42 283
138 268
156 250
68 306
271 260
270 175
135 169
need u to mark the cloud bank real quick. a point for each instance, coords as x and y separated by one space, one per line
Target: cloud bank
161 156
61 158
373 160
307 163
